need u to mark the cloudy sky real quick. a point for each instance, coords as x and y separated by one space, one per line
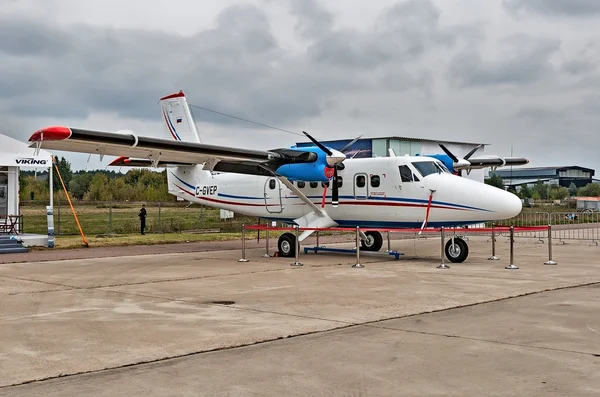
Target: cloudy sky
511 73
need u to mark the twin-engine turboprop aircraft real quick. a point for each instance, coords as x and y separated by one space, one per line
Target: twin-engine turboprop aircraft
312 187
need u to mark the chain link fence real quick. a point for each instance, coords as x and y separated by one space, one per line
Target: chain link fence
108 218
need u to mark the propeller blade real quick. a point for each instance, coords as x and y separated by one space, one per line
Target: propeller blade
449 153
343 150
471 152
334 191
319 144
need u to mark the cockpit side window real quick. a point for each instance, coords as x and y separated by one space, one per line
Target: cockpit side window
405 173
429 167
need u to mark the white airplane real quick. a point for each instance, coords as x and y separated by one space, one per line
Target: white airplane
292 185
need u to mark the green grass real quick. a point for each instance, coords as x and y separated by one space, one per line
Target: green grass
69 242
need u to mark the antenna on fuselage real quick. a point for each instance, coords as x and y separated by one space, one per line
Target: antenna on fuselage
391 152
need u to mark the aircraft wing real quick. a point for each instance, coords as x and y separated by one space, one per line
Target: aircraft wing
128 144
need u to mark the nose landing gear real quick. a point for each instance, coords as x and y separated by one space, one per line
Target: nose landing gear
456 250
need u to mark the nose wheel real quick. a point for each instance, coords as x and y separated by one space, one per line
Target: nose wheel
456 250
373 242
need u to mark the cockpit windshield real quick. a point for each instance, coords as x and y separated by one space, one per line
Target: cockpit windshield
430 167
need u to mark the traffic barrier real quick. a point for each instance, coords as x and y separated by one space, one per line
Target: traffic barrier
550 261
297 250
493 257
443 239
512 265
243 259
442 230
357 264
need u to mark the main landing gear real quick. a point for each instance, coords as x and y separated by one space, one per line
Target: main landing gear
456 250
287 244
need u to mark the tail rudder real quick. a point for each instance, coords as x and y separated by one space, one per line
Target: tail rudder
178 118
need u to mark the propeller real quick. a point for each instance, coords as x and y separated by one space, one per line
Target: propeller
460 163
334 157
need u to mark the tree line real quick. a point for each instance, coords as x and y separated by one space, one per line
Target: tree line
96 185
543 191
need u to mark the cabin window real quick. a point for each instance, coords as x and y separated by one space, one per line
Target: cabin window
324 184
272 184
314 184
340 181
375 181
405 173
360 181
301 184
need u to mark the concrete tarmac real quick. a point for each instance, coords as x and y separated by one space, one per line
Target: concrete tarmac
201 323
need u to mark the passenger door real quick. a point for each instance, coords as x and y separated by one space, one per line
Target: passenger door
273 196
361 188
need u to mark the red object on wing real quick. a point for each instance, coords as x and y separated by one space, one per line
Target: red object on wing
120 160
55 133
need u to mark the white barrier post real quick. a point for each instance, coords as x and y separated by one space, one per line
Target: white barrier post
243 259
512 251
493 257
442 265
297 249
357 264
550 261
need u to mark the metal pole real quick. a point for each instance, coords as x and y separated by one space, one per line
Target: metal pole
512 250
243 259
389 245
493 257
266 255
297 249
51 185
357 264
110 228
159 220
550 261
318 239
442 265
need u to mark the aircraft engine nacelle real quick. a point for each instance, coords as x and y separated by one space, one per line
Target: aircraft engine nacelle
309 172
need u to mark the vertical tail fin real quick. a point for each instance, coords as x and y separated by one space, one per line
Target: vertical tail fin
178 118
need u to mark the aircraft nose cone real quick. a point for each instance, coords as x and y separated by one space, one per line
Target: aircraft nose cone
510 205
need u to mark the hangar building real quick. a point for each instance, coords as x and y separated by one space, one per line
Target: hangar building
562 176
378 147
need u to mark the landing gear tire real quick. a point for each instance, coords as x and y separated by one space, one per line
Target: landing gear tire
373 242
287 245
457 252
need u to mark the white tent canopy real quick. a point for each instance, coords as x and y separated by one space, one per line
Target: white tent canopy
14 155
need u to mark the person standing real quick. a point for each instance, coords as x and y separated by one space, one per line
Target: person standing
142 214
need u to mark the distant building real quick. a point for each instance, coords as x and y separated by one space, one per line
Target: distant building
562 176
379 147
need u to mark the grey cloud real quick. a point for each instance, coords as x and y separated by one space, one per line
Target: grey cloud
526 60
578 67
580 8
313 21
237 67
401 33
